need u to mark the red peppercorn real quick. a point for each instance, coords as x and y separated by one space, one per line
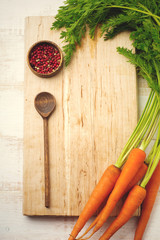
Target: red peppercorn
44 58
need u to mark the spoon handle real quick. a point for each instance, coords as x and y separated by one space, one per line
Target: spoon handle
46 164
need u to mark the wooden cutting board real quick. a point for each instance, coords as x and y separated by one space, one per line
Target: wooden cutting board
95 114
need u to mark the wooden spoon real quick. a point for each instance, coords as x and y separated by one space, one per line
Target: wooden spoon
45 104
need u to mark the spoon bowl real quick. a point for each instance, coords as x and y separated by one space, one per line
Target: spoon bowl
45 104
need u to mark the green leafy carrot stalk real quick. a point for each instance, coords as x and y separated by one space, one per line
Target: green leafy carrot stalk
154 160
147 119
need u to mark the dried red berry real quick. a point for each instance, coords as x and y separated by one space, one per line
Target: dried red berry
44 58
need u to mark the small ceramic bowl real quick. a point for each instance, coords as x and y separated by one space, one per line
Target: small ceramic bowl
45 58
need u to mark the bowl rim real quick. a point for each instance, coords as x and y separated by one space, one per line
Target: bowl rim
43 74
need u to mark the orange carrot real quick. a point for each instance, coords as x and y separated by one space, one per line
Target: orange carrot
131 167
152 190
139 175
100 192
133 201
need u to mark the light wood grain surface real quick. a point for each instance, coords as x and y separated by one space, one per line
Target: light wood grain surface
13 225
90 126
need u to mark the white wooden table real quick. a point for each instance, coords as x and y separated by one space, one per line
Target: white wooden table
13 225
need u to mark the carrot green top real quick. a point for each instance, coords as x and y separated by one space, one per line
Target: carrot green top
153 159
145 129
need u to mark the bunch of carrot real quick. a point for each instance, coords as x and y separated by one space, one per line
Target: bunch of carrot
139 194
131 167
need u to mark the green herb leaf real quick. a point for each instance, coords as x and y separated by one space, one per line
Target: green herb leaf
114 16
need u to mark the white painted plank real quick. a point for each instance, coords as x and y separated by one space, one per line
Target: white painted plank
12 13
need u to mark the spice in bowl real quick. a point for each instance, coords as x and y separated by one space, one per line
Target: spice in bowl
45 58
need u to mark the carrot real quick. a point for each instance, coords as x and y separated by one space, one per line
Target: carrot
131 167
100 192
133 201
152 190
140 174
